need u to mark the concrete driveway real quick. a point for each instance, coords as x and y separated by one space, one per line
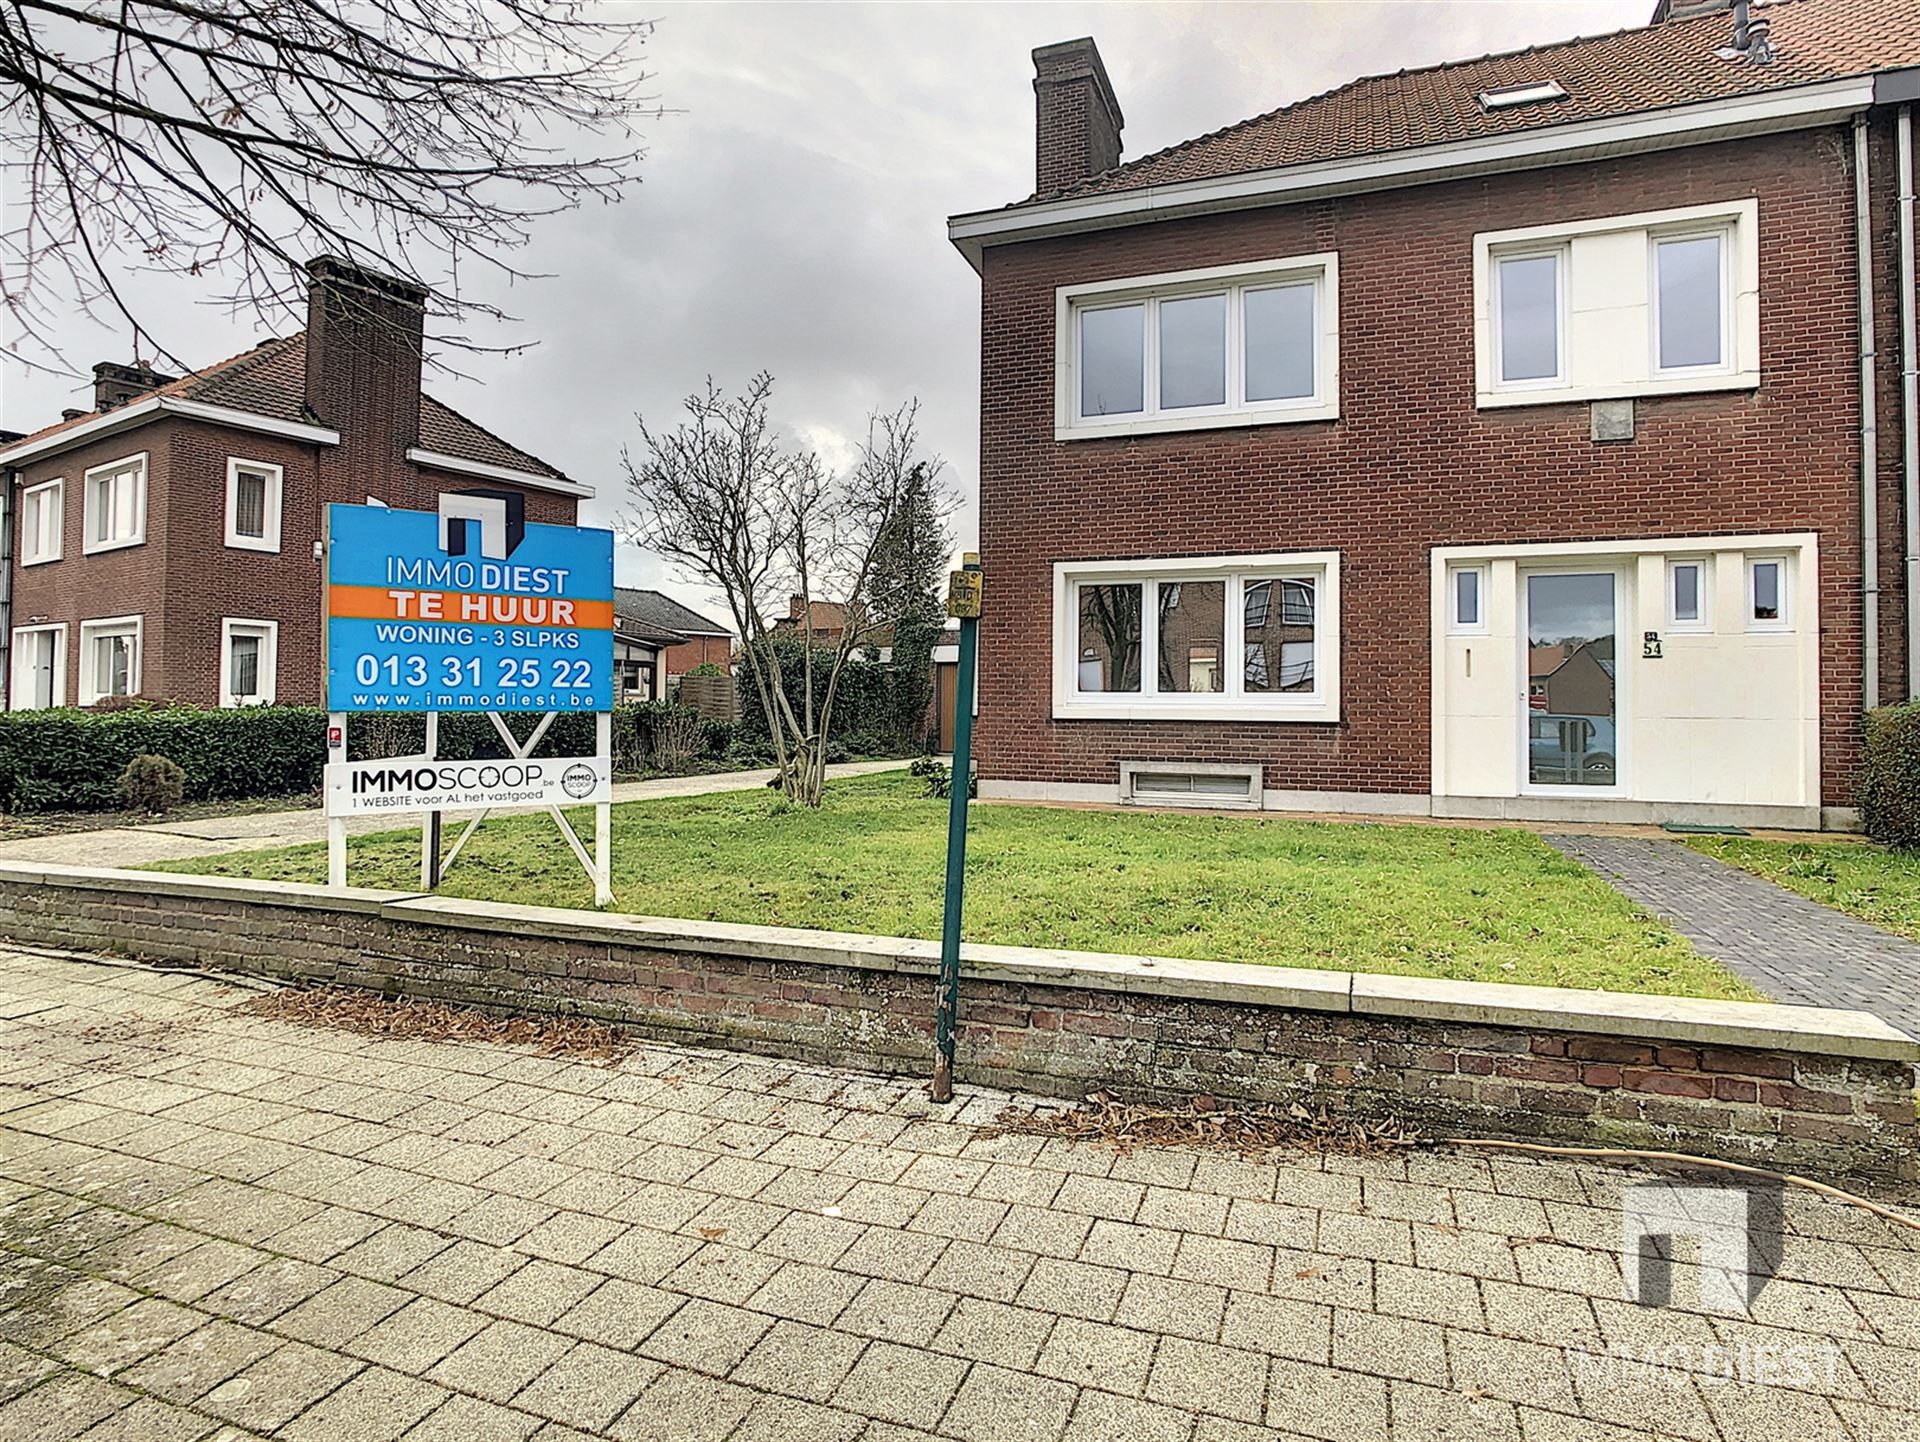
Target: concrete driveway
214 1224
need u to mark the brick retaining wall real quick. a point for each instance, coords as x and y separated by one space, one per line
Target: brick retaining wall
1796 1087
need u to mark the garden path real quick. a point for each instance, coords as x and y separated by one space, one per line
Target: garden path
1793 949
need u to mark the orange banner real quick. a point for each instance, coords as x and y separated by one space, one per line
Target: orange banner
470 608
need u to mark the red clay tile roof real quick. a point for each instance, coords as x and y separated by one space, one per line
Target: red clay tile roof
445 430
271 380
1609 75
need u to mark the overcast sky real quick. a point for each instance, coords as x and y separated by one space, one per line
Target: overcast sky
792 214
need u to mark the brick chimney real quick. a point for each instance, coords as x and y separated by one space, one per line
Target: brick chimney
115 384
364 343
1077 129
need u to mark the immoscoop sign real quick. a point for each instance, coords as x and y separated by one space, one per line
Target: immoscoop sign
468 608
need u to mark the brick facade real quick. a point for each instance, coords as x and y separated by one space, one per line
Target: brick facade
1037 1022
700 651
1412 464
364 381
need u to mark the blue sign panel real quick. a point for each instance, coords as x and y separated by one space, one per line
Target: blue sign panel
468 609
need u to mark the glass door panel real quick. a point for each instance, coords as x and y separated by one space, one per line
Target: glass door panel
1572 690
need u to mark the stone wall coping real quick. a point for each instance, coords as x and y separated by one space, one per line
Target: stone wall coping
1697 1021
1768 1026
210 888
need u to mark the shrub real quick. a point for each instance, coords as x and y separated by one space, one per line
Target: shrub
152 784
705 668
73 760
1890 776
868 714
70 760
938 778
717 736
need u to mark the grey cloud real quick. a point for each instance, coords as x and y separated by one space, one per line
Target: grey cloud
792 216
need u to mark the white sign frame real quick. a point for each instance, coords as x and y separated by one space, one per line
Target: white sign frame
598 864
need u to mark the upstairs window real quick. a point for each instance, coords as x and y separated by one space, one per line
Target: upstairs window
1529 331
253 505
116 504
1690 302
1234 345
41 510
1665 302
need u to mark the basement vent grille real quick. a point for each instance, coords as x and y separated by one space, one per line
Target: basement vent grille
1176 783
1505 97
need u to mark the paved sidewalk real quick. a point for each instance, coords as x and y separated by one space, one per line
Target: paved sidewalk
214 1225
265 830
1793 949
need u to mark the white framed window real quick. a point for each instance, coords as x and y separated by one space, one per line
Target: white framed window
1692 301
1661 302
1768 605
1689 594
1467 599
116 504
1204 638
42 521
1530 309
39 668
110 658
253 504
249 656
1229 345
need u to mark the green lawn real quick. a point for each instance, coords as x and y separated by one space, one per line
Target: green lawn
1482 905
1870 882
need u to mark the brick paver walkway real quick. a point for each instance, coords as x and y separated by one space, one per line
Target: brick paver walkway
214 1225
1793 949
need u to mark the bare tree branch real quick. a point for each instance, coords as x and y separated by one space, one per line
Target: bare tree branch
232 142
725 504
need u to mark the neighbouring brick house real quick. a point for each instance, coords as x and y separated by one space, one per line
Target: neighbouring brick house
702 642
165 544
1305 442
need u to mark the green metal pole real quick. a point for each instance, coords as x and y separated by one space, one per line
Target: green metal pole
947 1009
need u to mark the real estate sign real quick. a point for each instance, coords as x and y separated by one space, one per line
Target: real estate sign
468 609
393 785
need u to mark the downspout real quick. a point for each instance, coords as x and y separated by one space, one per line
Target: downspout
1909 399
1869 432
9 481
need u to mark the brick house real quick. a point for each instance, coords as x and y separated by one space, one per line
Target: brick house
1306 442
701 642
165 544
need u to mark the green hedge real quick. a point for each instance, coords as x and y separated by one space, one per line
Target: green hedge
1890 776
71 760
877 709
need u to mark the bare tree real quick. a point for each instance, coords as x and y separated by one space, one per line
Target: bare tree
234 140
727 504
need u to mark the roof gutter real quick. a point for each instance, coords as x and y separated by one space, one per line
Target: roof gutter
139 412
533 480
1799 107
